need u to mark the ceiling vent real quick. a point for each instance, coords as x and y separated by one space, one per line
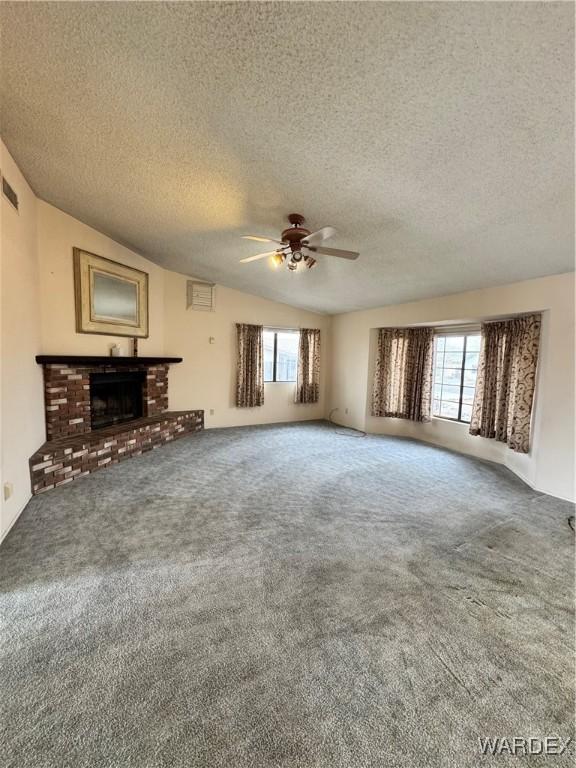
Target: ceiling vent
200 296
9 193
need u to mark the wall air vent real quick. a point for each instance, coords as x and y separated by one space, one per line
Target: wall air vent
9 193
200 296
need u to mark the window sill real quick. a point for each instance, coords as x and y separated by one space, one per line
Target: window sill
445 420
280 382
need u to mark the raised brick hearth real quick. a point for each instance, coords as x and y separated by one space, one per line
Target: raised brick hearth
60 461
73 448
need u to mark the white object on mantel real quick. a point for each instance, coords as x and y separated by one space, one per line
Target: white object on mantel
114 350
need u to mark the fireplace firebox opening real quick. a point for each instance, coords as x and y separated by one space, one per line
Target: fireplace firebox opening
116 397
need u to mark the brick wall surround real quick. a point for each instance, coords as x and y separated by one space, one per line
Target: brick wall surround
67 395
59 462
73 449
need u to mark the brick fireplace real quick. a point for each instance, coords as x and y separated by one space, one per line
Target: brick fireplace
100 410
67 390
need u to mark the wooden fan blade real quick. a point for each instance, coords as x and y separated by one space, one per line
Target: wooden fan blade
259 239
336 252
319 236
258 256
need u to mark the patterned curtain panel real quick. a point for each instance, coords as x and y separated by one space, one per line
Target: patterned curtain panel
308 384
250 366
403 374
506 377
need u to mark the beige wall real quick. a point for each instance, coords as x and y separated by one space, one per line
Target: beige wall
37 290
37 315
550 465
58 233
21 406
206 377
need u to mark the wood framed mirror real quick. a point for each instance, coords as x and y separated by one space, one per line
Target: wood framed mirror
111 298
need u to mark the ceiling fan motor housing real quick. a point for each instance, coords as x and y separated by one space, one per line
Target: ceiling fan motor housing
293 236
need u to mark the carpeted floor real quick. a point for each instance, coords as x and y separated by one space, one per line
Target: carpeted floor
285 596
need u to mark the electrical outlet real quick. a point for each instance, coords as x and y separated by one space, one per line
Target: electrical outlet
8 491
211 411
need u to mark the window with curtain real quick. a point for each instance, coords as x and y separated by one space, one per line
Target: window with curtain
250 366
506 380
280 355
455 368
403 373
308 380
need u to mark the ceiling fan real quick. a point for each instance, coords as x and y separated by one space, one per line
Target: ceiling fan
297 244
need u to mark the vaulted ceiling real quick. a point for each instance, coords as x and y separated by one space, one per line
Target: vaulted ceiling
436 137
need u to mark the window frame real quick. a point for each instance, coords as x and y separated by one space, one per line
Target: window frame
465 332
276 331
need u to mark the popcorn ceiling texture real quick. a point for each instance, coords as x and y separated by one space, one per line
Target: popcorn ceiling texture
437 137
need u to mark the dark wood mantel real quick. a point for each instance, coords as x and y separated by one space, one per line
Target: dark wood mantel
83 360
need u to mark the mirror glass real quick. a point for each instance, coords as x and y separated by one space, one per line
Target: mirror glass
114 298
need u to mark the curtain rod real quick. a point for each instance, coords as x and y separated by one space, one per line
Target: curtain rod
450 327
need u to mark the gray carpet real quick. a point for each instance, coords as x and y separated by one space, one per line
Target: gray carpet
287 596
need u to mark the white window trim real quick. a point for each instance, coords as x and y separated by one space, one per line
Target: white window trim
457 330
452 330
275 330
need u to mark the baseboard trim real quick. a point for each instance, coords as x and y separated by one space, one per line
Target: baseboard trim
517 474
14 520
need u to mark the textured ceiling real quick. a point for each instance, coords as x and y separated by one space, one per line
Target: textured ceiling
437 137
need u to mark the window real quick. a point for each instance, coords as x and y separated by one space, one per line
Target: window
455 369
280 355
